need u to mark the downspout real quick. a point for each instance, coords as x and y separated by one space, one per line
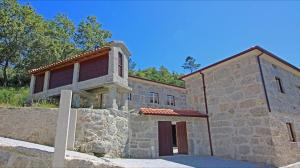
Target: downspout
263 81
207 118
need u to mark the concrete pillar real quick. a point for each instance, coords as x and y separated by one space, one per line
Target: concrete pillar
62 128
46 81
76 100
76 74
32 83
124 101
112 98
72 130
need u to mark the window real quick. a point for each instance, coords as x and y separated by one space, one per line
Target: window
279 84
120 65
291 132
129 96
154 98
171 100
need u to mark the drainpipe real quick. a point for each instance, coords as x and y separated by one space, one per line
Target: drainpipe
207 118
263 81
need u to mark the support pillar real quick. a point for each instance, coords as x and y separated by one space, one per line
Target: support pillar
32 83
124 101
76 75
62 128
46 81
72 130
112 98
76 100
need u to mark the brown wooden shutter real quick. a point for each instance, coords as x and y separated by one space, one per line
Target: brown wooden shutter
181 137
39 83
120 65
61 77
165 138
93 68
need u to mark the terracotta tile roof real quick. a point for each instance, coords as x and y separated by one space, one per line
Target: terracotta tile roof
70 59
171 112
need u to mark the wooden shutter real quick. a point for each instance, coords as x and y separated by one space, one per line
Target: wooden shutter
165 138
39 83
181 137
61 77
93 68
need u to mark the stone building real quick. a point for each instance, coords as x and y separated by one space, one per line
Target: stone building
245 107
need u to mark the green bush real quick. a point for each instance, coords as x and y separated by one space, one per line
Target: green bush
17 97
13 96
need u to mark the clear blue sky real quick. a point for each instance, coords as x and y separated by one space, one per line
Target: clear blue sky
164 33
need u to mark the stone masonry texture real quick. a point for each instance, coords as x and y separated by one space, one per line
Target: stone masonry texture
97 131
241 126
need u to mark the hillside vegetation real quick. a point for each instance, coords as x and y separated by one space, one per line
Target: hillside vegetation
17 97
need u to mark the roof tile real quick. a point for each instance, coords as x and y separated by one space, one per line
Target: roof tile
172 112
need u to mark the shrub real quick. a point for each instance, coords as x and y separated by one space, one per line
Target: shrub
17 97
13 96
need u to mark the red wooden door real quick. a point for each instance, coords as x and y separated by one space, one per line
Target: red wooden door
181 136
165 138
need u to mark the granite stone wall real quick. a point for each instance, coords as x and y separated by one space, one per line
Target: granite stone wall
32 157
141 97
239 119
102 131
285 108
143 135
289 101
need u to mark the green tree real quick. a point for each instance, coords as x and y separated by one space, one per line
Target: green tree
18 26
161 75
190 64
28 41
131 66
90 34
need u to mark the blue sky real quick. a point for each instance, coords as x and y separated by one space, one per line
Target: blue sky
164 33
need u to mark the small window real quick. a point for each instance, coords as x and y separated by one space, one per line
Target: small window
154 98
120 65
171 100
129 96
279 85
291 132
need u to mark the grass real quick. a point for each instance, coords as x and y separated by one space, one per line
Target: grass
13 96
17 97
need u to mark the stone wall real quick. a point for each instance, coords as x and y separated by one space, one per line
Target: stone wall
143 133
141 97
240 123
286 151
38 156
97 131
195 93
35 125
289 101
285 108
239 120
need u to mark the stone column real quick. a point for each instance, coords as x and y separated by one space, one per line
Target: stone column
76 100
32 83
112 98
76 96
46 81
62 128
72 129
76 75
124 101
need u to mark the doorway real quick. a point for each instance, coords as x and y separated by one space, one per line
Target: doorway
172 138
